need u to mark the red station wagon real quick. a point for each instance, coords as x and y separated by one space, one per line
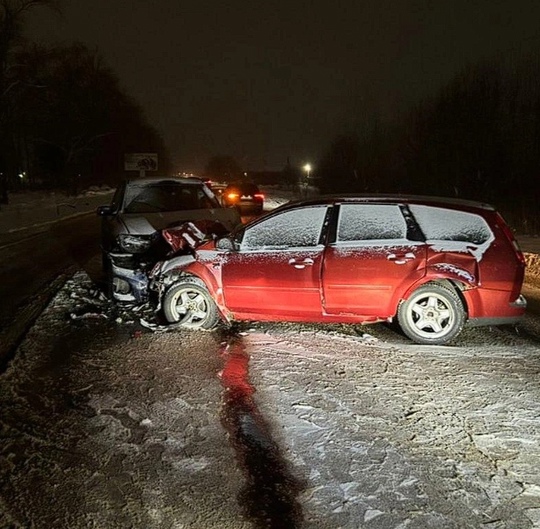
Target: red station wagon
433 264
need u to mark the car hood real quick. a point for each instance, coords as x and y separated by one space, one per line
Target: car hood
193 234
148 223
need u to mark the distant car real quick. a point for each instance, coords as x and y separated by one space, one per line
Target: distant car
244 196
432 264
141 208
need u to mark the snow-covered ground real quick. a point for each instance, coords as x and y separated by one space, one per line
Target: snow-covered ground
354 427
107 425
37 210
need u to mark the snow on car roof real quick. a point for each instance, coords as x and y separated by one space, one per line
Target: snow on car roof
403 199
160 179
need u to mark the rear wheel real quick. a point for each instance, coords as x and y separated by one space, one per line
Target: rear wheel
434 314
189 303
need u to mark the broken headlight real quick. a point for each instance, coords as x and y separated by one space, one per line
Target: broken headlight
135 243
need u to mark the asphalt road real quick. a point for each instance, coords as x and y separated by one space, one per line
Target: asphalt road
30 266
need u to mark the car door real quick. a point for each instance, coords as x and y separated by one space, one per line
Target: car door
370 260
276 271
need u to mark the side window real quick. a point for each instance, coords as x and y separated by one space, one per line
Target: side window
291 229
439 224
370 222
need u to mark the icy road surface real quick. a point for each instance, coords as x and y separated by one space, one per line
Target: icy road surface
105 424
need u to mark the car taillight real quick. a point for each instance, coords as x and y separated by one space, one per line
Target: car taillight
258 195
510 236
519 253
232 196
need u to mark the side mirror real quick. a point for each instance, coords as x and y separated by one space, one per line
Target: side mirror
225 243
103 211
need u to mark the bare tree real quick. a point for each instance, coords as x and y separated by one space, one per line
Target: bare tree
76 118
12 13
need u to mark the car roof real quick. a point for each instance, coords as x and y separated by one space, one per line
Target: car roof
454 203
164 179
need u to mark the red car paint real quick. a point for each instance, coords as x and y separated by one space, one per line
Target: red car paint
339 276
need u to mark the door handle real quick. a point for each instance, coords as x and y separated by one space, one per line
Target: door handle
402 258
299 265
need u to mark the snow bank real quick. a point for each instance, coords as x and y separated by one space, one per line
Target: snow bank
33 209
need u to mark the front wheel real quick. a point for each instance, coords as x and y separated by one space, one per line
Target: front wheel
189 304
434 314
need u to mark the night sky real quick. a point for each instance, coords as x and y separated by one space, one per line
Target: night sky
263 81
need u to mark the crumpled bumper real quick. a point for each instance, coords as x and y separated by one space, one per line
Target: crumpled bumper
129 285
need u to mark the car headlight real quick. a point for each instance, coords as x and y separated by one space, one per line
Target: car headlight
135 243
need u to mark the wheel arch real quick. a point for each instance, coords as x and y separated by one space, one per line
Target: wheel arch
196 270
452 283
432 324
198 310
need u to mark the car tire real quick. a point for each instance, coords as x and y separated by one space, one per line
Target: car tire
189 304
433 314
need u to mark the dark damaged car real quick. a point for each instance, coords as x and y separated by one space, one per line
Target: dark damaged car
132 227
431 264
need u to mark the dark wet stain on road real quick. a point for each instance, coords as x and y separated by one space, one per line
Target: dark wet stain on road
269 496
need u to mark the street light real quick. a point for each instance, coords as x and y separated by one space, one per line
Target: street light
307 169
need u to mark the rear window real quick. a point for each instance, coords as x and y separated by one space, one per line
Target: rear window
439 224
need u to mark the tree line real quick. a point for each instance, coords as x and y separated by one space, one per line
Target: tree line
65 120
477 138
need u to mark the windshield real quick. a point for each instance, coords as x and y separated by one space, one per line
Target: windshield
167 196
